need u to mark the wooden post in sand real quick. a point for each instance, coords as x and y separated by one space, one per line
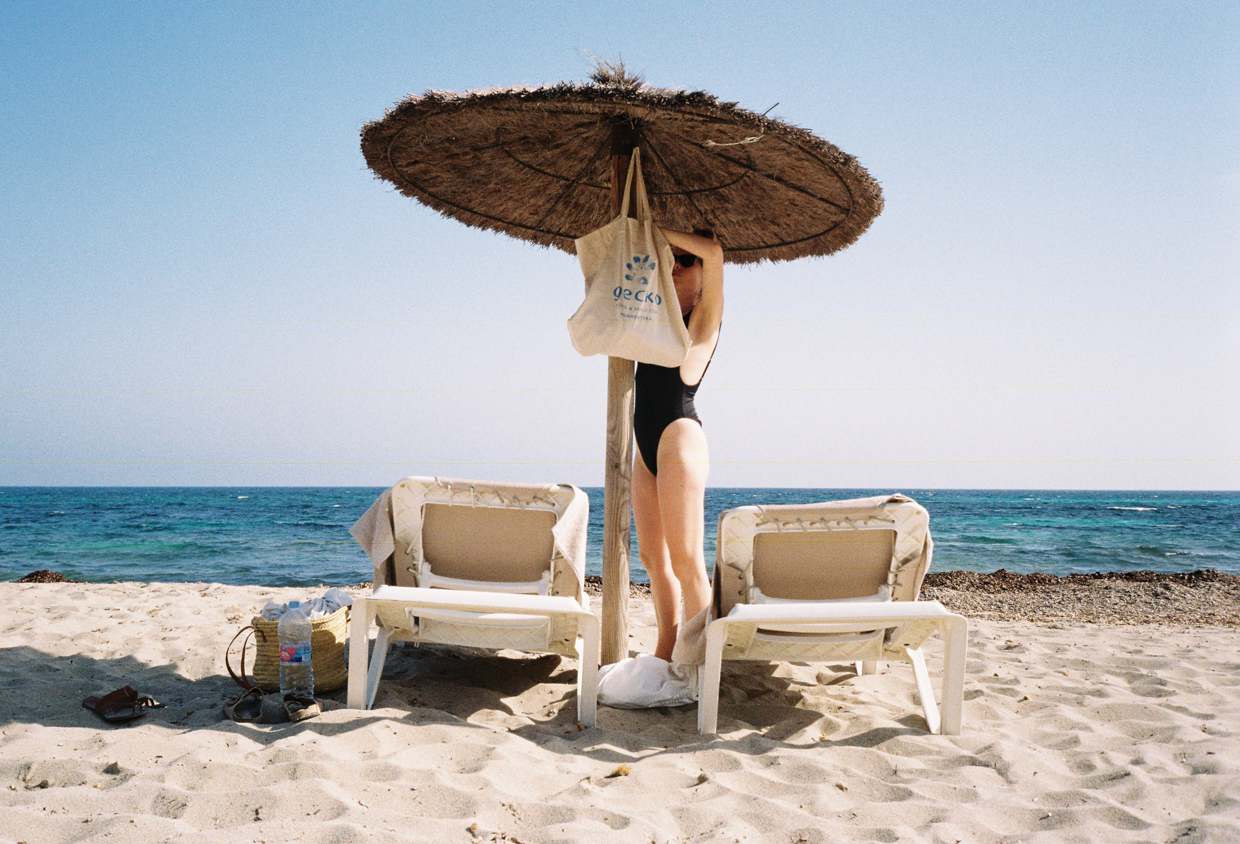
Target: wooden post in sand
614 645
618 470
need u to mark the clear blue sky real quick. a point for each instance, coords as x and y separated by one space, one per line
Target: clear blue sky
202 284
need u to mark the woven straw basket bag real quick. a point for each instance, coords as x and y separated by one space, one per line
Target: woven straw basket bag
327 638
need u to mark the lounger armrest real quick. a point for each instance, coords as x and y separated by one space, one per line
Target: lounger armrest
843 612
469 601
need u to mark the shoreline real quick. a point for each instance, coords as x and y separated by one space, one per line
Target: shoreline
1202 597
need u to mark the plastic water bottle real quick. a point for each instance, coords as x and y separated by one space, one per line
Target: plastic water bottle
296 660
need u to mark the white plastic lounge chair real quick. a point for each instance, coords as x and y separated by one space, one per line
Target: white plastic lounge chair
831 581
477 564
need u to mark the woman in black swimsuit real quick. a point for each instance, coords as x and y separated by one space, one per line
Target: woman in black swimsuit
669 474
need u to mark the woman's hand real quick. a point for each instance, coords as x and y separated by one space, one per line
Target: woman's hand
706 248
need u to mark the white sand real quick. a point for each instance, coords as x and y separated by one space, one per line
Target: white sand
1072 732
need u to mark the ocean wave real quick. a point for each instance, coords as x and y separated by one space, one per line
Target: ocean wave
309 524
980 540
1157 551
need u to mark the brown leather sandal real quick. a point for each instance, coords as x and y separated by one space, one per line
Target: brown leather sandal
247 708
300 707
124 704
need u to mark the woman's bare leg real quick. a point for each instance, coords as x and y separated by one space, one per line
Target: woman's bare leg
684 463
664 587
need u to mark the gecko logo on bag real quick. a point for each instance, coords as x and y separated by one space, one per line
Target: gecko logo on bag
640 270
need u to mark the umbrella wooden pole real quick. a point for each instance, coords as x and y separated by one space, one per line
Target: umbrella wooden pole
617 504
618 474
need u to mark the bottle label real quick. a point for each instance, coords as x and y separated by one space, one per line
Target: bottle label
295 653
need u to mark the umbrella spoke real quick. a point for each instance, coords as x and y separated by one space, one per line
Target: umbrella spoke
598 156
687 195
793 186
655 144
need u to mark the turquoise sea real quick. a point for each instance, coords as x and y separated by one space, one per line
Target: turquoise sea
300 536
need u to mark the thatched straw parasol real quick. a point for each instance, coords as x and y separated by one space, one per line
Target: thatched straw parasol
536 164
542 164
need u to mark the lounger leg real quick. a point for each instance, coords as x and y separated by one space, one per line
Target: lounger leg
925 691
587 670
956 640
867 666
360 619
377 658
708 689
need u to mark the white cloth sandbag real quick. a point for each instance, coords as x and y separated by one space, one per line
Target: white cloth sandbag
644 682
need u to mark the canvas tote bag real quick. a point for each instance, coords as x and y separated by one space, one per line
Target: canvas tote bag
630 310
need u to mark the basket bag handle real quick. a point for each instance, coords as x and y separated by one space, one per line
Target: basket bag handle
249 632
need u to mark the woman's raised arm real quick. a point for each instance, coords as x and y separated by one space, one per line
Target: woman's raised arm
708 312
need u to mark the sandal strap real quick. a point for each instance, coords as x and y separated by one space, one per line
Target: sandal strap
124 697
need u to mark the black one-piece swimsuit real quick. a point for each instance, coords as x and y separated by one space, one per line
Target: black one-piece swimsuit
659 399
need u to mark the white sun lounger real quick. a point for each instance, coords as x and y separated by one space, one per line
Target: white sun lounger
477 564
826 582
